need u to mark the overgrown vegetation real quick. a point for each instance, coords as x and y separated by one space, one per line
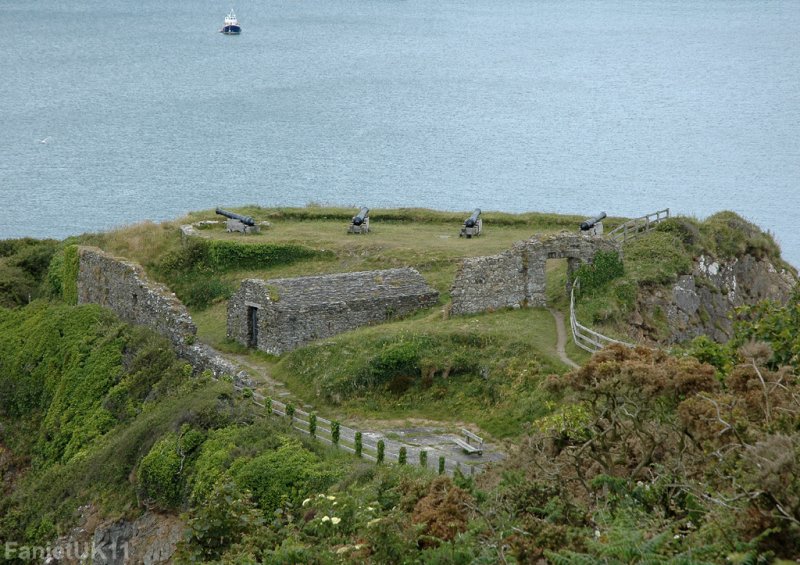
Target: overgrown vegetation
605 267
638 456
485 368
23 263
194 269
659 258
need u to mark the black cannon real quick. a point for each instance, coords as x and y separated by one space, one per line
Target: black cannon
360 223
472 225
246 220
594 224
237 222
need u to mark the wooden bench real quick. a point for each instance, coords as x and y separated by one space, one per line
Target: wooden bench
470 448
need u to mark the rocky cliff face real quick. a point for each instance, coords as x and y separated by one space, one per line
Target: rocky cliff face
701 303
149 539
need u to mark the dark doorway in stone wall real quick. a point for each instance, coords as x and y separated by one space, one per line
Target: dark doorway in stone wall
556 283
252 326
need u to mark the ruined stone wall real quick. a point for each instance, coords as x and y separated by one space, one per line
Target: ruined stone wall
293 312
516 277
490 283
123 287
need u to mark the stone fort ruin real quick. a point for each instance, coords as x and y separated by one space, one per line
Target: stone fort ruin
516 278
279 315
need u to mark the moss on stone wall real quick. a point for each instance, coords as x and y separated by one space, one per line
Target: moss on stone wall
69 275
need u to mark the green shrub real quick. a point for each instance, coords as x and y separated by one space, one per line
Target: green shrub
23 268
192 270
34 258
402 456
17 288
226 255
606 267
224 446
381 451
159 475
312 425
705 350
359 444
287 474
775 324
90 373
335 431
221 521
202 291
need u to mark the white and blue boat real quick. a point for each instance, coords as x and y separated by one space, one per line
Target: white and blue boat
231 26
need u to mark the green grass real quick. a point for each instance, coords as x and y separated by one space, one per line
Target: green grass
427 240
485 368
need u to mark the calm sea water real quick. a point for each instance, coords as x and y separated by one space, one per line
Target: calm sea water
617 105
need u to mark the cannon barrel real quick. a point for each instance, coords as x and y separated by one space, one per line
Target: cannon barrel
246 220
589 223
473 219
359 218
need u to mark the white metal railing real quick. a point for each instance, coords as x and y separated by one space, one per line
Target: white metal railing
634 228
586 338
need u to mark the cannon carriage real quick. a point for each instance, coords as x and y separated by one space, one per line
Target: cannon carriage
360 222
473 225
238 223
593 225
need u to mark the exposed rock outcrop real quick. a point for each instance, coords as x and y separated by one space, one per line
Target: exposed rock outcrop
702 303
149 539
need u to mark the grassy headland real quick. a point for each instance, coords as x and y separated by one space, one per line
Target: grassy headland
639 456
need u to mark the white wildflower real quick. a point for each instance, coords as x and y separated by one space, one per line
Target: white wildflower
343 550
331 497
335 520
306 501
373 522
597 534
326 518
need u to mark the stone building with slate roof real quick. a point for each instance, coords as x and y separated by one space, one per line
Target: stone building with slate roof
280 315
